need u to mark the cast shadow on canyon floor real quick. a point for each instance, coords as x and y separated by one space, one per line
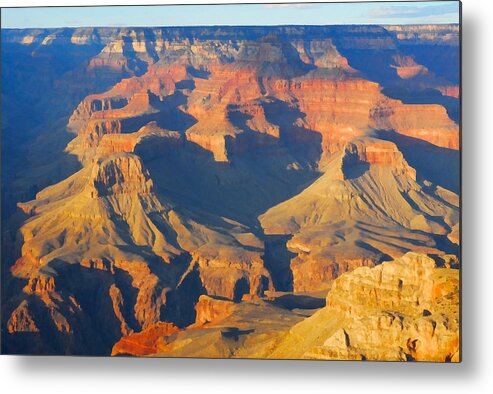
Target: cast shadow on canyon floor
436 164
246 186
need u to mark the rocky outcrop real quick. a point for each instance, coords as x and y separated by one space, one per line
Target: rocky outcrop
421 121
216 144
90 307
211 309
397 313
451 91
402 310
406 67
342 110
232 275
404 285
322 53
55 313
21 320
145 342
151 295
118 303
122 173
148 142
338 223
445 34
42 285
374 152
454 235
130 51
315 273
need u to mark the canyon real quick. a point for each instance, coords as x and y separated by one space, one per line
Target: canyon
252 192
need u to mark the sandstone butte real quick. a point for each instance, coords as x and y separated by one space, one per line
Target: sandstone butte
215 189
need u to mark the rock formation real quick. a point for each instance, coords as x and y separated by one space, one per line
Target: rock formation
402 310
145 342
338 223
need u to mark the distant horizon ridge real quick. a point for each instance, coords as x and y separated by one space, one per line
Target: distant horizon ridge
231 26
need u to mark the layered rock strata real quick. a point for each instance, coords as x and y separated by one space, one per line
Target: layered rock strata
402 310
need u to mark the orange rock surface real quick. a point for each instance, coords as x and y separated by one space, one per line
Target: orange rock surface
209 309
145 342
21 320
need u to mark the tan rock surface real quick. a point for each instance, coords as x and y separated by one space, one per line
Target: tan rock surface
338 223
406 309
